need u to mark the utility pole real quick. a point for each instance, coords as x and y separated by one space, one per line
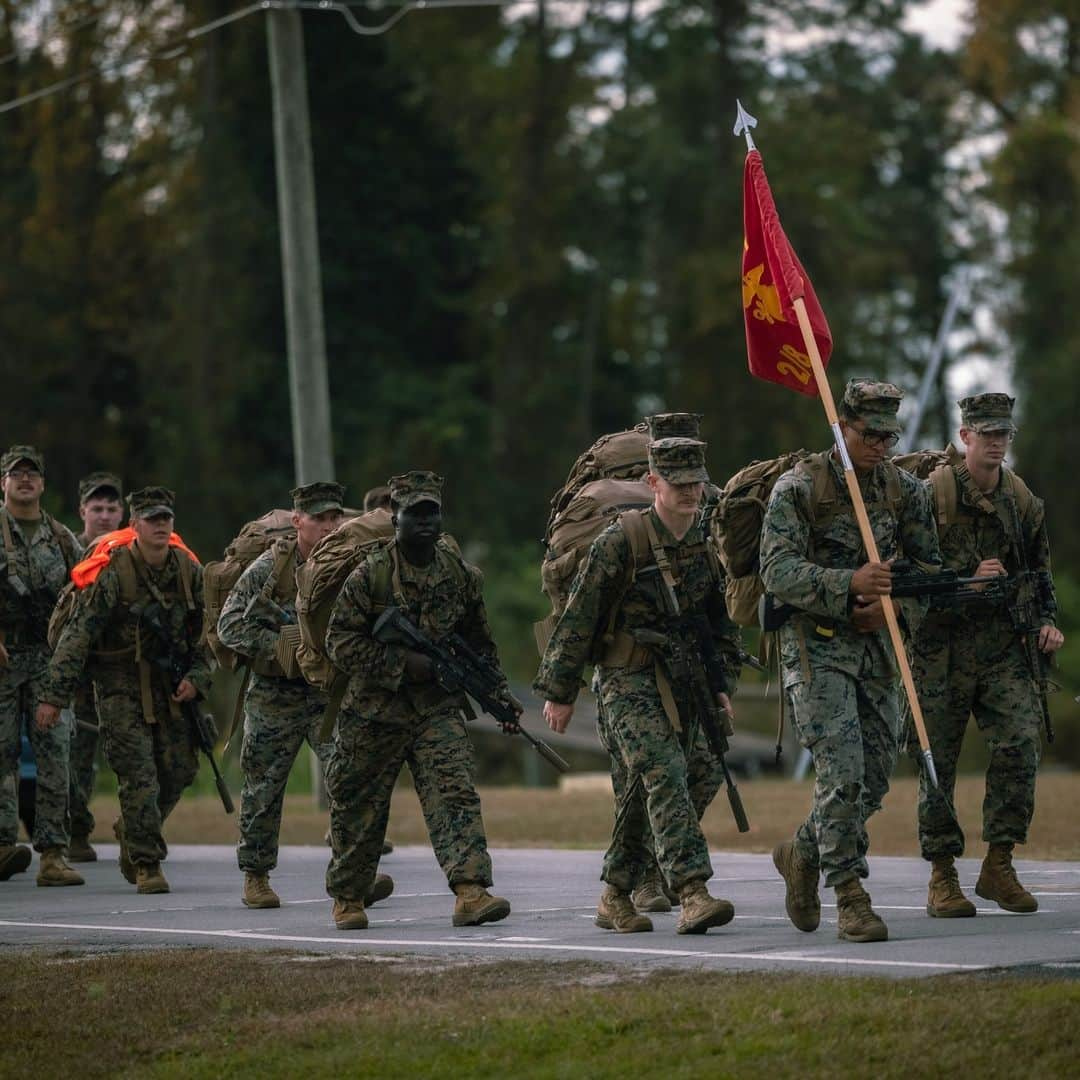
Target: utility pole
309 392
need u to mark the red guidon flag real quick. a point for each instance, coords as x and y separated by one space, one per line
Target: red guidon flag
773 277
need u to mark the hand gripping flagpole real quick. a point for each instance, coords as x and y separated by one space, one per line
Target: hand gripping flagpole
743 123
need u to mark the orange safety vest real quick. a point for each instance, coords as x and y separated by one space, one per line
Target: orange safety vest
86 572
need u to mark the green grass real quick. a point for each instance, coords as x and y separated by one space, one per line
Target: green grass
193 1013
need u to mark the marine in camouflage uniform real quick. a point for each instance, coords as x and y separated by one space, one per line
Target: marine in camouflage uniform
394 713
281 709
651 739
148 741
970 660
37 553
101 497
839 672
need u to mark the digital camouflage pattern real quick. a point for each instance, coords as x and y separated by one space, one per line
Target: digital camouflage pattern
318 497
155 761
148 501
970 661
279 713
81 770
15 454
386 721
649 752
95 482
842 684
679 460
41 565
987 412
418 486
875 403
685 425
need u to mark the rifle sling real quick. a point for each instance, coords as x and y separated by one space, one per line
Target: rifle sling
333 704
238 708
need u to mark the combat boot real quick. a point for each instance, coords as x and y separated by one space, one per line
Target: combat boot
257 892
475 905
150 879
350 915
14 859
801 877
52 870
700 910
616 912
944 900
381 888
998 882
79 850
649 895
857 921
127 867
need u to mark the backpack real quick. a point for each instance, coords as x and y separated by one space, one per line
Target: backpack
573 529
220 577
740 514
623 455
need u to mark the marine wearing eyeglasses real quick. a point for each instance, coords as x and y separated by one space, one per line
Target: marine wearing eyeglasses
839 672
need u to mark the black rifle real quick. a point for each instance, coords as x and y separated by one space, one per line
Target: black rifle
1031 593
945 588
172 659
696 673
266 610
459 668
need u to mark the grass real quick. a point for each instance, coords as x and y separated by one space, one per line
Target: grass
544 817
196 1013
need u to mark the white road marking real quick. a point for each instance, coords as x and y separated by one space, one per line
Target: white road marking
415 943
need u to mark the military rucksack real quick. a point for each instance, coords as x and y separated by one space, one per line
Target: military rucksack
571 533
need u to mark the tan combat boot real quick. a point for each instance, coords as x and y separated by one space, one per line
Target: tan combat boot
127 867
475 905
14 859
79 850
944 900
381 888
350 915
998 882
801 877
52 870
616 912
700 910
650 895
150 879
257 892
857 921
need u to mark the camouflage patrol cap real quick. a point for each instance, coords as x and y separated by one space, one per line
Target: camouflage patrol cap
22 453
318 497
987 412
674 425
875 403
678 460
96 481
411 488
151 501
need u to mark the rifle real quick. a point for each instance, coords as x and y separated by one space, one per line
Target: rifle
696 673
458 667
173 662
267 611
1031 593
945 588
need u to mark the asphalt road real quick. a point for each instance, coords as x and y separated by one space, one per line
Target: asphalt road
553 894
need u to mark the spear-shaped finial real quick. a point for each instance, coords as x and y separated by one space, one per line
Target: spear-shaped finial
743 123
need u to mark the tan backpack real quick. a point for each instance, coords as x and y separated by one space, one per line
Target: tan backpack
571 533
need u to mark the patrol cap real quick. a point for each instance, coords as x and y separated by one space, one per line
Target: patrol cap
150 501
22 453
678 460
411 488
673 425
987 412
875 403
96 481
318 497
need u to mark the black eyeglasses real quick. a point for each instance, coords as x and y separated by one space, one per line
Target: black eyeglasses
23 474
885 439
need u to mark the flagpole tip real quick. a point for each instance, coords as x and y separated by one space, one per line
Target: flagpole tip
743 123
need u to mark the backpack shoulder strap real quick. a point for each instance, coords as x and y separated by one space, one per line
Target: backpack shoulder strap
943 486
633 526
1020 492
9 540
187 573
63 538
894 492
123 559
284 550
823 492
386 578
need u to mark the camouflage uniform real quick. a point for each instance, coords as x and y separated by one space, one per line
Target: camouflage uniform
386 721
841 683
147 741
280 712
970 660
41 562
84 740
651 744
